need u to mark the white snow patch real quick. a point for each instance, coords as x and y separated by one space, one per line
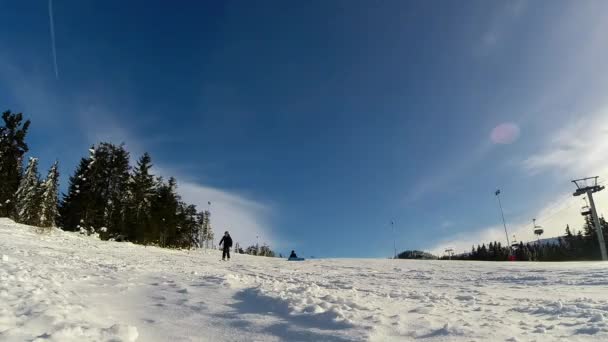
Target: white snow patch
70 287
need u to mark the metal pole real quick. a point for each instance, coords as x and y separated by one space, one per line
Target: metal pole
504 223
394 239
598 227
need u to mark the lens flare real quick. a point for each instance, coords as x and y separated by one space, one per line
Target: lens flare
505 133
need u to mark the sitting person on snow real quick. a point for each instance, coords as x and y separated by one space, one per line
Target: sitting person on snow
293 255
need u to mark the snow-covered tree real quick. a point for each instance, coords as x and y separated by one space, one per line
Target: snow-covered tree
266 251
48 202
97 191
142 190
164 212
27 197
207 235
188 226
12 149
72 208
116 194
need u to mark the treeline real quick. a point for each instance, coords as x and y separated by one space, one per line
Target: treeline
581 246
263 250
416 255
105 195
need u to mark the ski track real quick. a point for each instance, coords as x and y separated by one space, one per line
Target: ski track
67 287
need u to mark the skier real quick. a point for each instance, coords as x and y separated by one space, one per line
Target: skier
293 255
227 241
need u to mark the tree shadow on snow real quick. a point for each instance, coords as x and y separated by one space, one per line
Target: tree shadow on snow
306 327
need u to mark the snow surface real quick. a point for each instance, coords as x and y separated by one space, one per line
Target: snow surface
68 287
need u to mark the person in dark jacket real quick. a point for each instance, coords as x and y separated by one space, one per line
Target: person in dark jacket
293 255
227 243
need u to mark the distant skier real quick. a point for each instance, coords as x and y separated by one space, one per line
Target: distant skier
227 242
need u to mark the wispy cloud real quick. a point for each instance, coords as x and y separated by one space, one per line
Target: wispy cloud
446 224
579 149
243 217
500 24
438 179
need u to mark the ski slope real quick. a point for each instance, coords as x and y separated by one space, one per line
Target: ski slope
67 287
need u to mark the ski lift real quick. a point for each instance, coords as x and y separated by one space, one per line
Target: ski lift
514 244
449 252
585 210
538 230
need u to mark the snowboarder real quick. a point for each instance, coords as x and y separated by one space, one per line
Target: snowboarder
293 255
227 241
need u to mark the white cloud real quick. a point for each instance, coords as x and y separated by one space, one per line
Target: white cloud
243 217
446 224
501 23
579 149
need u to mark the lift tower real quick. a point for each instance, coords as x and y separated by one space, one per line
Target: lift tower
588 186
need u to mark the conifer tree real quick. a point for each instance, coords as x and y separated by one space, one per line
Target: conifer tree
207 232
72 209
164 210
115 214
141 196
187 232
97 191
48 202
27 197
12 149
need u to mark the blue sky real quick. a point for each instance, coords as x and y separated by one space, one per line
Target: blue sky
314 124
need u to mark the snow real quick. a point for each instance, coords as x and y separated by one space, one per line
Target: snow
65 286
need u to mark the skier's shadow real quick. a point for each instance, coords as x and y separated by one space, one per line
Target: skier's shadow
288 327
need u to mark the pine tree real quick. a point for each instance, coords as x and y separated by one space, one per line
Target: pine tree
568 233
49 205
164 212
207 232
72 209
97 191
187 232
266 251
115 214
12 149
27 197
141 196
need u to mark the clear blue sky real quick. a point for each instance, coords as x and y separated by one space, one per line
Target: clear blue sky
321 121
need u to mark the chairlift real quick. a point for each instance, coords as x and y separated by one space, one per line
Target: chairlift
538 230
514 244
585 210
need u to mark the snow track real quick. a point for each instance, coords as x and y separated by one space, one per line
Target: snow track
67 287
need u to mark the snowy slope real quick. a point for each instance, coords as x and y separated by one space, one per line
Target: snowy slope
66 287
